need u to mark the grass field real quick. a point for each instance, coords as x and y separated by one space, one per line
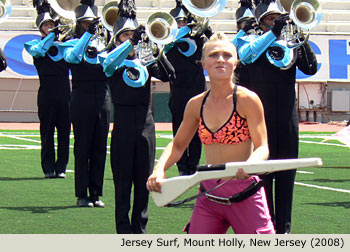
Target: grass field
31 204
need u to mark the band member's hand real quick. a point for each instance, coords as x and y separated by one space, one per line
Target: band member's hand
154 182
208 32
280 22
93 25
241 174
191 25
137 34
249 24
56 30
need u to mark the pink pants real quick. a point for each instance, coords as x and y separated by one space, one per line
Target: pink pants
250 216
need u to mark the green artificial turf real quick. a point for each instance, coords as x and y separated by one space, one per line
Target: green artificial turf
31 204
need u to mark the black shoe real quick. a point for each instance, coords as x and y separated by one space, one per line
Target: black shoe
84 202
50 175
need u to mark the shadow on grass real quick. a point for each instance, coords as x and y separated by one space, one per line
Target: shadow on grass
328 180
332 204
335 167
19 179
38 209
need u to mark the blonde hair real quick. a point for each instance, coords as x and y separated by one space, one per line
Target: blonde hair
218 36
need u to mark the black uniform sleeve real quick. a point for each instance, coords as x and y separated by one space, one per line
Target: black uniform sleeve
163 69
306 59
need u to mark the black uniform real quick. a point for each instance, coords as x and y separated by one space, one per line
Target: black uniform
90 111
133 146
189 82
53 111
276 89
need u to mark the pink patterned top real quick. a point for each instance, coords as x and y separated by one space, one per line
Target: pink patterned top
234 131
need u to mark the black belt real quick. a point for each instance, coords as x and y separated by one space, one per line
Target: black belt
249 191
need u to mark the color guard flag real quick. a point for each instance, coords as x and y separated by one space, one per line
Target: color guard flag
342 136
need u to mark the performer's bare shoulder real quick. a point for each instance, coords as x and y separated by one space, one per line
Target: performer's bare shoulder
247 101
193 106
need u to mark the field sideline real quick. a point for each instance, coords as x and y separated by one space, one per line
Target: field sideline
167 127
34 205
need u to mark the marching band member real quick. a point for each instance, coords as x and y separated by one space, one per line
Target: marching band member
276 88
245 23
53 95
133 137
90 108
184 54
238 202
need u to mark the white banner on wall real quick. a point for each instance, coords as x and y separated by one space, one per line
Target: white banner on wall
333 55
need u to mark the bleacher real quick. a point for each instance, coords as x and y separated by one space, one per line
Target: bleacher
336 18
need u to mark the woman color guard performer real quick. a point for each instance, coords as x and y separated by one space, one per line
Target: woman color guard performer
53 95
90 108
232 128
133 137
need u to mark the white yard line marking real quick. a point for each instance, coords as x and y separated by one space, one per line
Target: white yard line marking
19 135
323 187
4 146
19 147
305 172
168 136
20 138
339 145
314 136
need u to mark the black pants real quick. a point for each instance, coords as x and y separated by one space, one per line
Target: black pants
190 159
51 116
90 126
283 144
132 160
281 213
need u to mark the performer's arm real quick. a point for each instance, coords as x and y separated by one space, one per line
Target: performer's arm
252 46
306 60
235 40
38 48
177 146
116 57
181 33
163 69
76 53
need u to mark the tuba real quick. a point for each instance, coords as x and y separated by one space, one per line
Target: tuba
110 13
65 11
65 8
202 10
102 38
161 29
5 10
304 15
